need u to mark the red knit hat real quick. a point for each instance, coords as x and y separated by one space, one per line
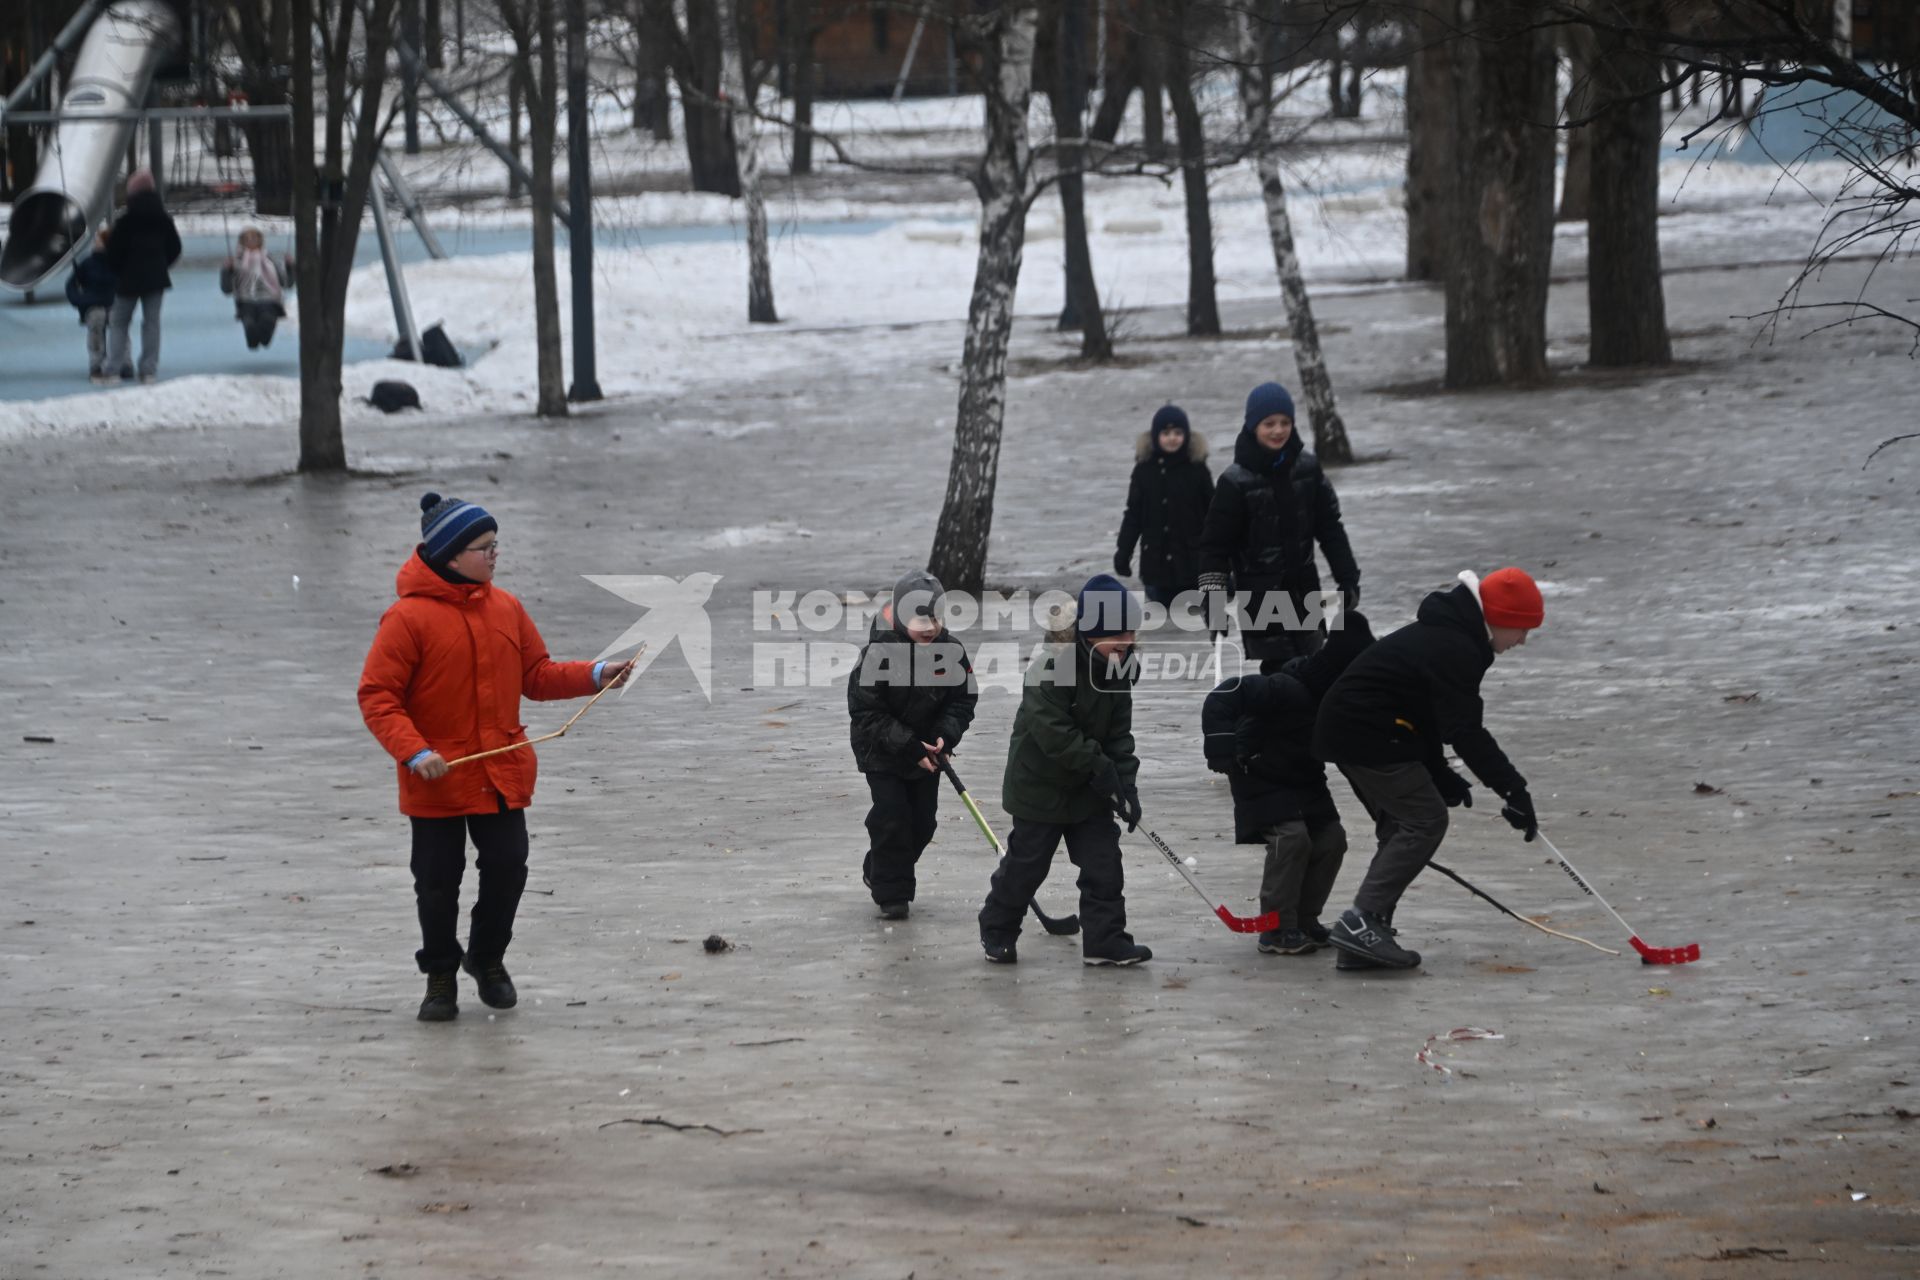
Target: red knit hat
1510 598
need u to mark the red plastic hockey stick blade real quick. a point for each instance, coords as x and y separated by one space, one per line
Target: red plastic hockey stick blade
1666 955
1266 923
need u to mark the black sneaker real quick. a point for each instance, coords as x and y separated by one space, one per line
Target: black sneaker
1348 962
442 1002
894 910
496 988
1287 942
999 952
1370 938
1120 951
1317 931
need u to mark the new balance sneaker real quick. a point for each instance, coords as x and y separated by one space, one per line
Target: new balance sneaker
496 988
1348 962
894 910
1287 942
999 952
1368 936
1120 950
442 1002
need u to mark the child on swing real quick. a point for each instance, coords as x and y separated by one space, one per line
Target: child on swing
257 288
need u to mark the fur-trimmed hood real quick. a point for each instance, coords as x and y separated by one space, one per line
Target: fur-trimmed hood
1196 450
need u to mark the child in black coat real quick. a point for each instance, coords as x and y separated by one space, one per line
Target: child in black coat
910 700
1259 732
90 290
1167 502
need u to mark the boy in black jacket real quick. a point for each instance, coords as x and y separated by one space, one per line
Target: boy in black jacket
1259 732
911 698
1387 721
90 290
1167 503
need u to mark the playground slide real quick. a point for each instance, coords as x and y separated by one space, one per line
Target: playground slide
54 218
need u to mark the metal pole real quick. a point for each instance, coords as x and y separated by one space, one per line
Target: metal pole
409 204
70 33
140 114
477 129
586 383
913 47
396 283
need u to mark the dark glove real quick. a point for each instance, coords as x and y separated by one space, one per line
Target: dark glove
1351 591
1122 564
1518 812
1453 788
1128 810
1218 602
1221 762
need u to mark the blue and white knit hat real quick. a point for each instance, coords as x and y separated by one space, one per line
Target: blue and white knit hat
447 525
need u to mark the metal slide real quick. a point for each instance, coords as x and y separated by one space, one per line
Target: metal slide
54 219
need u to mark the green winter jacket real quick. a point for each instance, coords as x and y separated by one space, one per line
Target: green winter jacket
1060 735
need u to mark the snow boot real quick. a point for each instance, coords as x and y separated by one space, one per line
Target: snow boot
496 988
1370 938
894 910
1120 950
1287 942
999 952
441 1004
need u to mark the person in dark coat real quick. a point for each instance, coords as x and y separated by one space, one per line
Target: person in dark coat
144 244
1269 509
910 700
1071 768
1387 722
91 291
1259 732
1167 503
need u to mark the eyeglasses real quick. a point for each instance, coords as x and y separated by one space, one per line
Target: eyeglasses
490 551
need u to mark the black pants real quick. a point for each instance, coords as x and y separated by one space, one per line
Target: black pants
1093 846
1409 821
258 319
439 860
899 827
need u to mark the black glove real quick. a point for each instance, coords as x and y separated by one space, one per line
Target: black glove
1128 810
1518 812
1351 591
1220 762
1453 788
1122 564
1121 797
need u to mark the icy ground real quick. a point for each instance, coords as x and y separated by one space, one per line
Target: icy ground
208 1058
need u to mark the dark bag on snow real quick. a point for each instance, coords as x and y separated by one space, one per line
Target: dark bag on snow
391 397
436 347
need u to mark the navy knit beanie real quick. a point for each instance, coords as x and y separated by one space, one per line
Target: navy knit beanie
1107 608
1266 400
1171 415
447 525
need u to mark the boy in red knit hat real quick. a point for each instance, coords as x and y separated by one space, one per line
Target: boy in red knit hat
1387 722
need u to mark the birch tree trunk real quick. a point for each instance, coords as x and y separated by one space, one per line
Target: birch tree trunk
746 153
959 556
1329 432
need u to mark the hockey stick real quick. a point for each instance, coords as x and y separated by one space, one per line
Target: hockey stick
1059 927
1480 893
1266 922
1648 955
625 677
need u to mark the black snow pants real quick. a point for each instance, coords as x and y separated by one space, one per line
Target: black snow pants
1094 847
899 827
439 860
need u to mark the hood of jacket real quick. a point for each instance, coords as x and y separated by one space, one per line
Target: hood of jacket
1262 461
1458 608
417 578
885 628
1196 450
145 206
1319 669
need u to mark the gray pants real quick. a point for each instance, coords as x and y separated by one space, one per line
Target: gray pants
1410 820
119 342
1301 865
96 318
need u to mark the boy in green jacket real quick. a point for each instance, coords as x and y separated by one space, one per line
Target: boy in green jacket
1070 771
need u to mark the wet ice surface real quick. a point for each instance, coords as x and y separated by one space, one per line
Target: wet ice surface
207 1048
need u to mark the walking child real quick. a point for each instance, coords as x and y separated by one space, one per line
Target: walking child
1070 771
1269 509
1167 501
144 245
1259 732
1387 722
444 679
90 289
910 701
257 288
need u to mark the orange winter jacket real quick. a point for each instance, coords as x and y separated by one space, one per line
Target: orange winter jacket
446 672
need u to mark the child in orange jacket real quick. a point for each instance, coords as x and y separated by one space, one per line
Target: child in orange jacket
444 679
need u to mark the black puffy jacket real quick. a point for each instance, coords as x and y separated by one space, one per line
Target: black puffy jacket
1259 730
143 245
1167 502
1414 692
90 285
903 694
1268 511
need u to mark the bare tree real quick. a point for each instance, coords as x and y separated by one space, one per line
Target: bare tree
1430 135
694 54
351 56
1626 303
261 33
740 125
1203 306
1256 99
1066 24
1576 192
532 24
